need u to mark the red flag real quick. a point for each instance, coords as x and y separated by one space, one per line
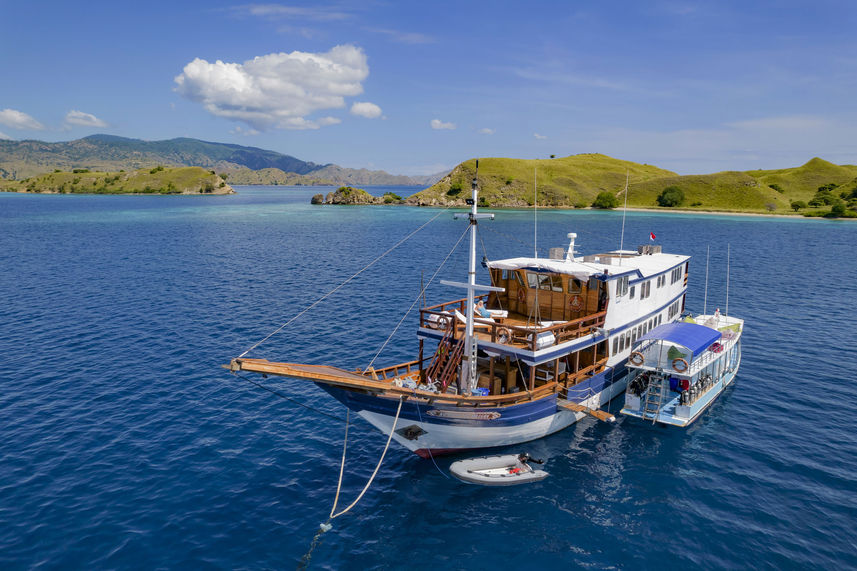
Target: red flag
652 236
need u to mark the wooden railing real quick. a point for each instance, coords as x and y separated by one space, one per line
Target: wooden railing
507 334
393 371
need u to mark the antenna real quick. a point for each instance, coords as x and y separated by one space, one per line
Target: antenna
535 213
705 301
624 210
727 279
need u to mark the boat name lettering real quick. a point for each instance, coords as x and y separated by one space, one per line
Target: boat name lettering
464 414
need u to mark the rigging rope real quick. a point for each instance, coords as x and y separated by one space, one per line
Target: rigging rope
421 294
340 286
281 395
500 303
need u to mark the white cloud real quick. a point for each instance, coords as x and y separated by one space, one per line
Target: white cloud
244 132
413 38
440 125
539 137
366 109
5 136
277 90
486 131
81 119
273 11
18 120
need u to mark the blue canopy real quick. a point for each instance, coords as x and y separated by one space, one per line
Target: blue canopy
695 337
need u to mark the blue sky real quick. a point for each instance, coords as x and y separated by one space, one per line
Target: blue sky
418 87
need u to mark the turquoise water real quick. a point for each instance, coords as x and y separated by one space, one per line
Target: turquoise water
126 445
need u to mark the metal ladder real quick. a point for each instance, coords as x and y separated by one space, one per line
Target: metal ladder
654 398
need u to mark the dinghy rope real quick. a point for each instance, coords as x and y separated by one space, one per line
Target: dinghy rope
340 286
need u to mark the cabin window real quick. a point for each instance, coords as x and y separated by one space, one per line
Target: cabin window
532 280
574 285
615 345
552 282
520 279
633 288
674 309
504 275
622 286
645 289
675 275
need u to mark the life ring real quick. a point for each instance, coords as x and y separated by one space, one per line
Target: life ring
504 335
637 358
522 295
443 322
680 365
575 303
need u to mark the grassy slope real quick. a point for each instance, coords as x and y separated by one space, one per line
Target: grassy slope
561 182
272 176
182 180
578 179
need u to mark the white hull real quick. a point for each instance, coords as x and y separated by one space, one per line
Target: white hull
441 438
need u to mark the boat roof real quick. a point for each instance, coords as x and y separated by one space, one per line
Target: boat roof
696 338
582 268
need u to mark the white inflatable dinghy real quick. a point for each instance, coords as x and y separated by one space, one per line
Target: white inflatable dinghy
505 470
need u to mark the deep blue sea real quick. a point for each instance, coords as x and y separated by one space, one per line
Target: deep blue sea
124 444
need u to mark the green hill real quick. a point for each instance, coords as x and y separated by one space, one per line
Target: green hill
157 180
577 180
561 182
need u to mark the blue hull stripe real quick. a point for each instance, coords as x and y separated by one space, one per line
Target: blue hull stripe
509 416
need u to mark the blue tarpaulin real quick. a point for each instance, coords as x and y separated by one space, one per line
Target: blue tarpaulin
697 338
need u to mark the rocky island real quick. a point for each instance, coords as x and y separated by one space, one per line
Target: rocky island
351 195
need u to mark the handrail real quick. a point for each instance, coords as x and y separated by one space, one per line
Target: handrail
408 366
562 331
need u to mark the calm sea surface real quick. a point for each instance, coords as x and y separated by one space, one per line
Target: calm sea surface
124 444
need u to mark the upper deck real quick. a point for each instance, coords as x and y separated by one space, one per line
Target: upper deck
549 302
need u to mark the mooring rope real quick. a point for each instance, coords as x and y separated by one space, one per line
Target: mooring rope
327 526
334 515
340 286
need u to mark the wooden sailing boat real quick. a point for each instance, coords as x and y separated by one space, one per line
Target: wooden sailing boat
551 350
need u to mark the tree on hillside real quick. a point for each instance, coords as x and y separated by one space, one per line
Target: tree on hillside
797 205
837 210
671 196
605 200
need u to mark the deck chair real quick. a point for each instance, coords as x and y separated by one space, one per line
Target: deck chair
478 322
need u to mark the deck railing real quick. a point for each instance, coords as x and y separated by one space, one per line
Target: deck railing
505 333
655 357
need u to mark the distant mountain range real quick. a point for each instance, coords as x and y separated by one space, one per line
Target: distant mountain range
24 159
